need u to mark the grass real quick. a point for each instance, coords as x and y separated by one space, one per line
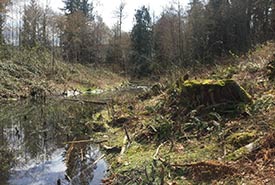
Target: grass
162 152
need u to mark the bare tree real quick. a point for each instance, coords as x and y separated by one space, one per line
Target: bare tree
119 13
3 5
118 53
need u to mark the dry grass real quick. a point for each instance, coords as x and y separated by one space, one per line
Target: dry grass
203 157
26 69
210 170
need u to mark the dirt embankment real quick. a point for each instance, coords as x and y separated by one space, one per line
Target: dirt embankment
27 71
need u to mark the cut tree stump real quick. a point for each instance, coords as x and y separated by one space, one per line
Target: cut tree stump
216 95
210 92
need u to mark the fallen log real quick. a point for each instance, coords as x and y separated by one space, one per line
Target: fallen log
86 141
87 101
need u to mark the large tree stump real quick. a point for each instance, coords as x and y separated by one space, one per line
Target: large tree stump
218 95
211 92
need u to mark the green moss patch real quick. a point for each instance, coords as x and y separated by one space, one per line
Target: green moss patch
241 139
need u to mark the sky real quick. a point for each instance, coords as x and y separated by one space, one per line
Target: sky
106 9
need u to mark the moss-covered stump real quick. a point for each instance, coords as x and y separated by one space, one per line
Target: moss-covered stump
223 96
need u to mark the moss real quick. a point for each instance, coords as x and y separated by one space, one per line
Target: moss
135 157
241 139
192 152
192 83
239 153
243 151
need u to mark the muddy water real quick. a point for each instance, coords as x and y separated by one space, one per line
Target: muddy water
34 138
33 147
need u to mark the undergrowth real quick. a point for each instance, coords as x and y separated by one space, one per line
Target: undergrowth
26 68
195 148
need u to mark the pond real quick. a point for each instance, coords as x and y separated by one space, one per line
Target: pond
39 140
34 145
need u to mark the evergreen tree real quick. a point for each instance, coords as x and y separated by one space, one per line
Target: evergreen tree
216 26
83 6
197 35
141 37
82 33
76 32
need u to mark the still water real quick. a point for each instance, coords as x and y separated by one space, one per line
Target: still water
34 148
35 140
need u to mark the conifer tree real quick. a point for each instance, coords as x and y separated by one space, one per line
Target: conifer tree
141 37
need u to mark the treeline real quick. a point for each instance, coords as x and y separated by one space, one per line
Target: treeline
178 37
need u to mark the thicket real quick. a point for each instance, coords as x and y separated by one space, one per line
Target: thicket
177 38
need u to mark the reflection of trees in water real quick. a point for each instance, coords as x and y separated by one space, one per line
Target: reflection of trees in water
7 156
6 161
80 160
31 130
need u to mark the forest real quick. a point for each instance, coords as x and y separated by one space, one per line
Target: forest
178 37
184 97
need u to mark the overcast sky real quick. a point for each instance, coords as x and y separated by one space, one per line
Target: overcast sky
106 9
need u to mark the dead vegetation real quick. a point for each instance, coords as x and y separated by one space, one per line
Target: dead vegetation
209 170
28 70
173 142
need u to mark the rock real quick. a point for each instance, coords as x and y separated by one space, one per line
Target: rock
215 91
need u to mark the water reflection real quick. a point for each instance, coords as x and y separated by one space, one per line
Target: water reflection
32 143
80 160
46 172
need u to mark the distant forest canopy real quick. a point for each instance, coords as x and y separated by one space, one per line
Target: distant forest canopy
178 37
